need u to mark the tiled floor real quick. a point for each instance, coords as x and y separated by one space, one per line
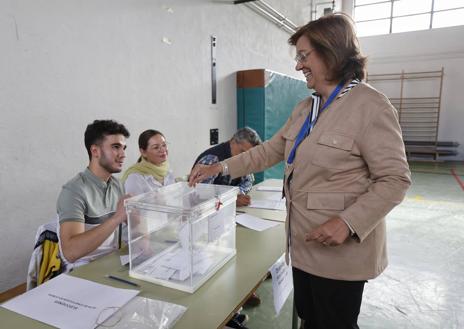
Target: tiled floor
423 287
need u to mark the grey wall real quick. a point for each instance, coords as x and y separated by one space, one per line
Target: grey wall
65 63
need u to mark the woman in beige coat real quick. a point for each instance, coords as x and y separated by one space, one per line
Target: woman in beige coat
343 175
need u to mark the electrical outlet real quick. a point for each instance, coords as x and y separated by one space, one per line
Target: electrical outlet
213 136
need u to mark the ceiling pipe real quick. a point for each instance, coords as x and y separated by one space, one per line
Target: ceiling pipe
266 11
237 2
277 14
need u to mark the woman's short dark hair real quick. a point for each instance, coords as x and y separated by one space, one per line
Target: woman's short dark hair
145 137
334 39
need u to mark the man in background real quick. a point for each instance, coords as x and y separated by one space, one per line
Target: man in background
243 140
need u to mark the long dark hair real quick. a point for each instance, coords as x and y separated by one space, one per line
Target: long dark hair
145 137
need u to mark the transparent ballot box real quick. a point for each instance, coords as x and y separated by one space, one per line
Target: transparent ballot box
179 236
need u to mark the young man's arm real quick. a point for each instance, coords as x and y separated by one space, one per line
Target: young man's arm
75 241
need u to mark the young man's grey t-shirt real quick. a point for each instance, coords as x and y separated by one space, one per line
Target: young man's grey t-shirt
89 200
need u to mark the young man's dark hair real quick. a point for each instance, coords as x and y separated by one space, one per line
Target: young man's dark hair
97 130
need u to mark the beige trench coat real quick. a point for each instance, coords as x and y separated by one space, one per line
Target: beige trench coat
353 166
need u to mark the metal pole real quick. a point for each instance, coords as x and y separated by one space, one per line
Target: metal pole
237 2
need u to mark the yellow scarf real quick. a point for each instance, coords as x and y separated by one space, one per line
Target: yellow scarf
147 168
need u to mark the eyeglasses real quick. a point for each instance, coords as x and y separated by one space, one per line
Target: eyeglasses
302 57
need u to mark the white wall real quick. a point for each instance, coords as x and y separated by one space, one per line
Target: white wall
428 50
65 63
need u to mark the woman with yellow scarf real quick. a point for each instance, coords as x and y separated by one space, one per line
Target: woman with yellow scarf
152 169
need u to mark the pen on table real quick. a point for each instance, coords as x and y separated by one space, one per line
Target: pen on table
109 276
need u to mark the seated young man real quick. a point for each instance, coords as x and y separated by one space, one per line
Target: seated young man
90 206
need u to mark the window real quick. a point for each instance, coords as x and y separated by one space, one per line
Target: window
375 17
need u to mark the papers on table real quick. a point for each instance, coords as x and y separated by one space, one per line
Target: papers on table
124 259
255 223
273 200
136 253
143 313
216 227
174 264
273 196
282 282
71 303
269 188
268 204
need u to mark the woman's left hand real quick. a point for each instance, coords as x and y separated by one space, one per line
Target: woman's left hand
332 233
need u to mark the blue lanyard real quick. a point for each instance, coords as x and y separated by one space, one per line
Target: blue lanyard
309 124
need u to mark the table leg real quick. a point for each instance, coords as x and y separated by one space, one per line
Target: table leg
294 317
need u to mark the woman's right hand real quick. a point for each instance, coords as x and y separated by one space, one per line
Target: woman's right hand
201 172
